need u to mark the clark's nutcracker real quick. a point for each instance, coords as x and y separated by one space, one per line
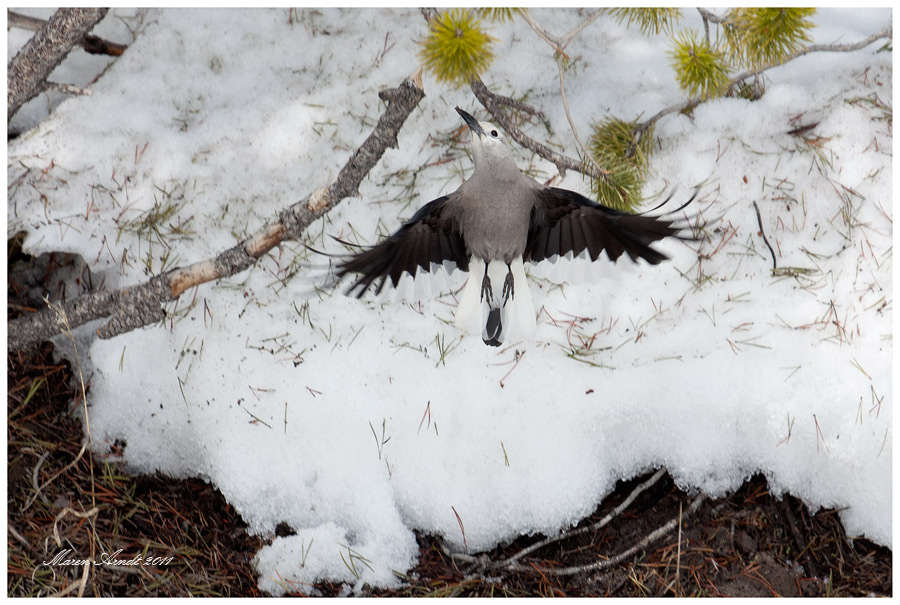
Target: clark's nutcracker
495 221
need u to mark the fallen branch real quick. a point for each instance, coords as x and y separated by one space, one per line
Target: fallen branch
134 307
90 43
27 73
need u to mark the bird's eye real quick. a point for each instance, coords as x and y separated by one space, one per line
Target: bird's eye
494 134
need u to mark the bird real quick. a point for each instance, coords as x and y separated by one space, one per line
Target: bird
497 220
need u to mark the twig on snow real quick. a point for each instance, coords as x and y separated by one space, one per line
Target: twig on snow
763 233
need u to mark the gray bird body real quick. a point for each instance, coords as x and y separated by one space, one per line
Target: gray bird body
494 209
494 222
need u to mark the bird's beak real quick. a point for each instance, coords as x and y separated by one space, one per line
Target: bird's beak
473 124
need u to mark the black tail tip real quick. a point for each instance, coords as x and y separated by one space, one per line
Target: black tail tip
493 329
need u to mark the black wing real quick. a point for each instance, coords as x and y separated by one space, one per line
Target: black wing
564 221
432 235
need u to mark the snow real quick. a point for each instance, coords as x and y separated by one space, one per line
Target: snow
359 421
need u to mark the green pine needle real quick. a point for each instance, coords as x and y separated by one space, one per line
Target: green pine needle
627 161
456 49
700 69
650 20
757 37
500 14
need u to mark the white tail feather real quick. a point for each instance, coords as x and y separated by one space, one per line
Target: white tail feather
516 316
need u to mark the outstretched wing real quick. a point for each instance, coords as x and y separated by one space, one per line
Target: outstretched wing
563 221
431 236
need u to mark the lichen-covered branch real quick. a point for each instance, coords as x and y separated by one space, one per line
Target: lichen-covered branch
142 305
90 43
27 73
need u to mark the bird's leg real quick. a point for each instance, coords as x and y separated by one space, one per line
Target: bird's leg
509 285
486 285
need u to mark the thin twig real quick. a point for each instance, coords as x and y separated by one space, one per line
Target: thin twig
68 89
589 529
678 557
710 16
520 106
763 233
54 477
560 58
601 565
704 14
559 44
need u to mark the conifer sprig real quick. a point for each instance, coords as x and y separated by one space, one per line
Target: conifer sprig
499 14
626 157
457 49
755 37
650 20
701 70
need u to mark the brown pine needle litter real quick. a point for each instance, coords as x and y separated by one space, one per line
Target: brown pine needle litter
748 544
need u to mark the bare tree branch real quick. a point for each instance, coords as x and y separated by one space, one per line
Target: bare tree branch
563 163
27 73
560 64
712 17
90 43
141 305
886 33
560 42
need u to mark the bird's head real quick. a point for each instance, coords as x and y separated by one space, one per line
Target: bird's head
489 146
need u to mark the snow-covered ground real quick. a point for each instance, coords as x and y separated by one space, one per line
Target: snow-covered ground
357 422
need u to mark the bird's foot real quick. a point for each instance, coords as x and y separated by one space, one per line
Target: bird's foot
486 289
509 286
